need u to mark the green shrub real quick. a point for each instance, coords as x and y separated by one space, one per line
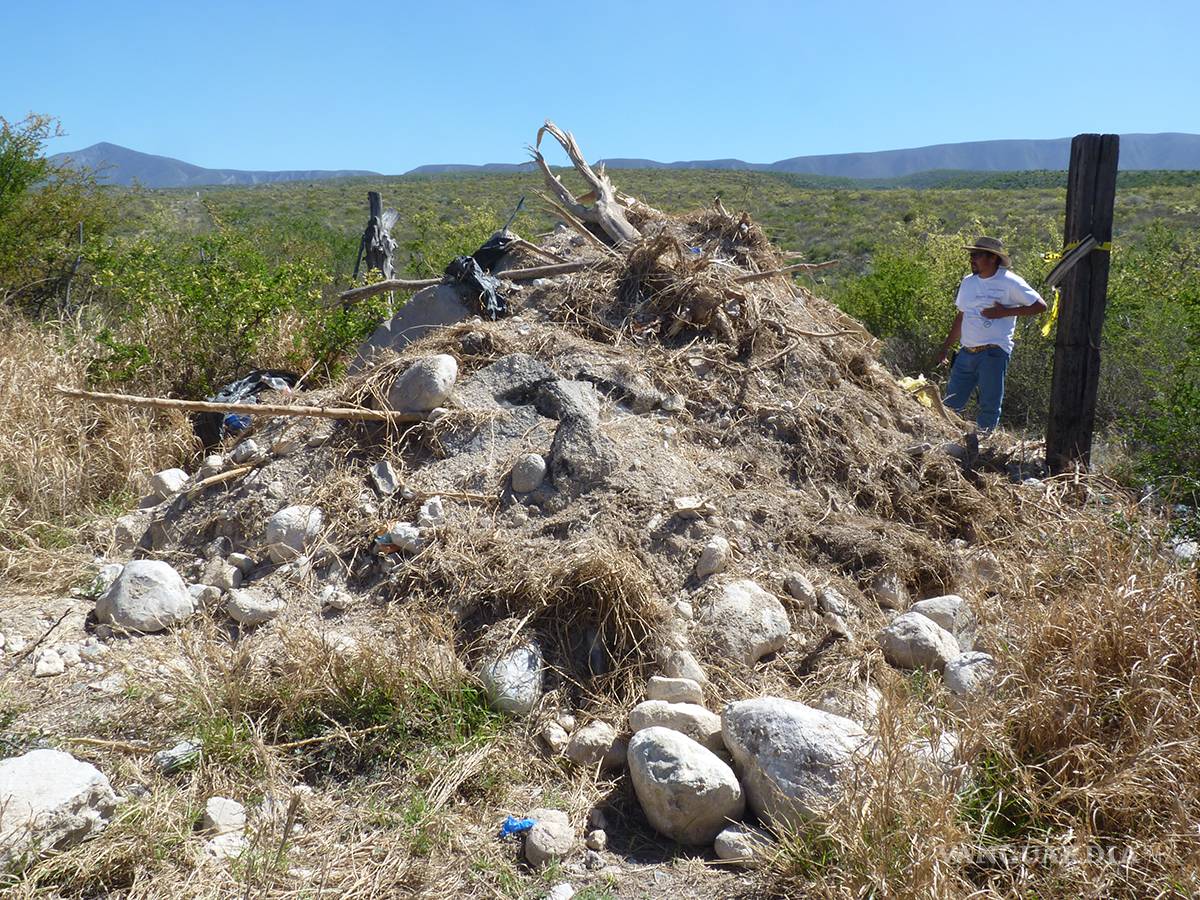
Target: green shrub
43 210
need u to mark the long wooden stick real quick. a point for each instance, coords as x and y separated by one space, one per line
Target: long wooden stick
397 284
798 267
260 409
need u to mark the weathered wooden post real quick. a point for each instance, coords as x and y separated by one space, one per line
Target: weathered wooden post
1091 190
377 245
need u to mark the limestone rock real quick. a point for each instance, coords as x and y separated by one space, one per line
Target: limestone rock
247 452
432 513
48 801
597 744
528 473
250 607
970 673
674 690
695 721
513 681
168 483
293 530
794 760
222 815
562 399
686 791
430 308
713 558
740 844
555 737
384 478
425 384
580 456
147 596
130 530
683 664
912 641
798 586
952 613
597 840
745 622
830 601
551 837
49 663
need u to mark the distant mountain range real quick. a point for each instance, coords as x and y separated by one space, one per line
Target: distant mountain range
119 165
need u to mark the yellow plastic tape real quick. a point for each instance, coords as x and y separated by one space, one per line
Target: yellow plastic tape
1053 317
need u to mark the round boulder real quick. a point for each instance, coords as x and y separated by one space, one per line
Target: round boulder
50 800
686 791
794 760
425 384
251 608
746 622
147 596
913 641
292 530
513 680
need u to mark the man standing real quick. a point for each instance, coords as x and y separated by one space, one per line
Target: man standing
988 302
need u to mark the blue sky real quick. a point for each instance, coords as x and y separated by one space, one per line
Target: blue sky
304 84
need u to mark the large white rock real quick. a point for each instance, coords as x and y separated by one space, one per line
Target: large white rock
293 530
168 483
970 673
745 622
794 760
686 791
695 721
513 680
674 690
913 641
250 607
425 384
952 613
222 815
596 743
50 800
147 596
551 837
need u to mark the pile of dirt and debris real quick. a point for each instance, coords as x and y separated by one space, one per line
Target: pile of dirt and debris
671 509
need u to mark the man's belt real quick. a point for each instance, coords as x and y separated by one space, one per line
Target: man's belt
983 347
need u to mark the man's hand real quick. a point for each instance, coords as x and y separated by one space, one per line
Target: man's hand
943 357
996 311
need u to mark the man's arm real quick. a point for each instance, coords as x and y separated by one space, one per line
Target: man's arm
953 337
1025 300
997 311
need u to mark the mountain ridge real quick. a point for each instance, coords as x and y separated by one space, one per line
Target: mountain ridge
1160 151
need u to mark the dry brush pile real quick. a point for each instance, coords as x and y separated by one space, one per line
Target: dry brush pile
667 430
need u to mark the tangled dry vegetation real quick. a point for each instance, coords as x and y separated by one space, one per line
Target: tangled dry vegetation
721 382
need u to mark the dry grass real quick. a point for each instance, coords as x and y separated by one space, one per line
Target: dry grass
62 461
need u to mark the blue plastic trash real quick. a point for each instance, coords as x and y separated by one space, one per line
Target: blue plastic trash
512 825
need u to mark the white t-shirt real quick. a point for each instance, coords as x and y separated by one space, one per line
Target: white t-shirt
976 294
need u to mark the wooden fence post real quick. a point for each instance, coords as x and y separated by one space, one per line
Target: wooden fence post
1091 190
377 246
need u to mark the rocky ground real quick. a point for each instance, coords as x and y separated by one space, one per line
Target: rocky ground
645 592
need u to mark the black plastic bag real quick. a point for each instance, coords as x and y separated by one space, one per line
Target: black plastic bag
482 287
211 427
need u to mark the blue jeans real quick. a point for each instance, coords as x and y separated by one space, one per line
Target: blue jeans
985 370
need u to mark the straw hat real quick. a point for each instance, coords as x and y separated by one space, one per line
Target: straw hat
990 245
